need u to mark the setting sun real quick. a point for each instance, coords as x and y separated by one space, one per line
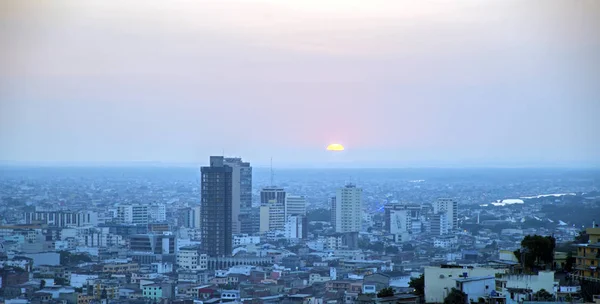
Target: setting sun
335 147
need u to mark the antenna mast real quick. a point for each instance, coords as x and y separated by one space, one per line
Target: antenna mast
271 171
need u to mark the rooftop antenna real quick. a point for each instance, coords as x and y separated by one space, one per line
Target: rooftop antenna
271 171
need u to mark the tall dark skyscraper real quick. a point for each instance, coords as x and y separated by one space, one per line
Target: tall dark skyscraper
216 191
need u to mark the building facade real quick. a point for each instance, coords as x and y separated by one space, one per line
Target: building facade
295 205
450 207
272 209
132 214
216 198
348 209
241 190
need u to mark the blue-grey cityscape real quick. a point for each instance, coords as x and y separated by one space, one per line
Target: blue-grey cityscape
299 151
231 233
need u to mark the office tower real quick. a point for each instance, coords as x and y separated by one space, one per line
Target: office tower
241 189
295 205
272 209
332 212
216 184
450 207
132 214
348 209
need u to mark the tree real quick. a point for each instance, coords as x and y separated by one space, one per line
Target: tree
377 246
391 250
456 297
60 281
319 215
582 238
407 247
418 284
570 262
537 251
42 284
543 295
386 292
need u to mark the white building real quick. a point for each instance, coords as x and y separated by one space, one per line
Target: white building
348 213
439 281
132 214
450 207
476 287
295 205
294 227
445 242
157 213
535 283
245 239
190 258
272 209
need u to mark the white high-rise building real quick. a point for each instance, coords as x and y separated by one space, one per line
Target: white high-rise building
132 214
348 213
294 227
157 213
450 207
295 205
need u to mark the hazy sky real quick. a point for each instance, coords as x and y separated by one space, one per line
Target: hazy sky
399 83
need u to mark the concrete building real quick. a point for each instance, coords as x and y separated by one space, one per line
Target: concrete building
476 287
333 208
160 244
191 218
531 283
348 209
157 213
272 212
62 218
450 207
439 224
190 258
588 257
439 281
241 190
295 205
296 227
216 196
245 239
132 214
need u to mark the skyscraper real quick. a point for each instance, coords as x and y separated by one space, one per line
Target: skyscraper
272 206
241 190
450 207
348 209
216 191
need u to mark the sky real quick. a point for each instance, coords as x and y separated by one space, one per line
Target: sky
398 83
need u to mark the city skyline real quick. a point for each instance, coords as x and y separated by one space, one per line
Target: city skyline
398 84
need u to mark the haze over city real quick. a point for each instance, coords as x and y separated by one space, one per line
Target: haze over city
398 83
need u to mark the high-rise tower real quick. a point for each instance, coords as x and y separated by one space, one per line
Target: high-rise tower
348 209
216 214
241 190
